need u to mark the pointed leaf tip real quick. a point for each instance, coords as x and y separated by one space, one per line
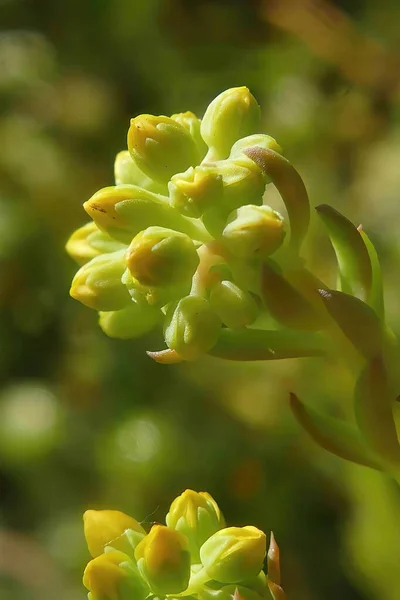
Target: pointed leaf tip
276 591
351 252
357 320
375 298
165 357
273 559
324 293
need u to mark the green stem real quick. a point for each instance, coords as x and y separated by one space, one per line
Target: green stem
207 259
260 344
192 227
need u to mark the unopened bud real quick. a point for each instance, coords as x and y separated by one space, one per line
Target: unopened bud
88 241
232 115
163 560
113 576
192 124
132 321
156 296
103 527
195 190
162 257
98 283
260 140
192 328
127 172
123 211
234 554
197 516
235 307
242 182
161 146
255 231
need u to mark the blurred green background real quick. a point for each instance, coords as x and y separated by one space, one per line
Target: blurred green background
86 421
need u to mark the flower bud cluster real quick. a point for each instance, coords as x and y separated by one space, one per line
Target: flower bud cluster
185 242
194 555
172 244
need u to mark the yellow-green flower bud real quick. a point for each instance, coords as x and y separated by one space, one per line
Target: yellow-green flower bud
102 527
235 307
162 257
113 576
197 516
196 190
242 180
258 139
127 172
88 241
254 231
192 124
163 559
234 554
156 297
130 322
192 328
161 146
98 283
232 115
123 211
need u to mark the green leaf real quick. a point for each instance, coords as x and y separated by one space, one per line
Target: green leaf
373 410
336 436
285 303
358 321
259 344
375 297
290 186
351 252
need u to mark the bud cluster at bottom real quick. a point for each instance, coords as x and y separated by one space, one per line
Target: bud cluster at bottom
194 555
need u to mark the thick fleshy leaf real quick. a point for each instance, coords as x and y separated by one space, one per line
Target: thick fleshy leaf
358 321
375 297
277 592
273 561
351 252
374 415
290 186
286 304
259 344
165 357
336 436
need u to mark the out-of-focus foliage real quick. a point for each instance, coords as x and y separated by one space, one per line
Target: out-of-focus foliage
86 421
